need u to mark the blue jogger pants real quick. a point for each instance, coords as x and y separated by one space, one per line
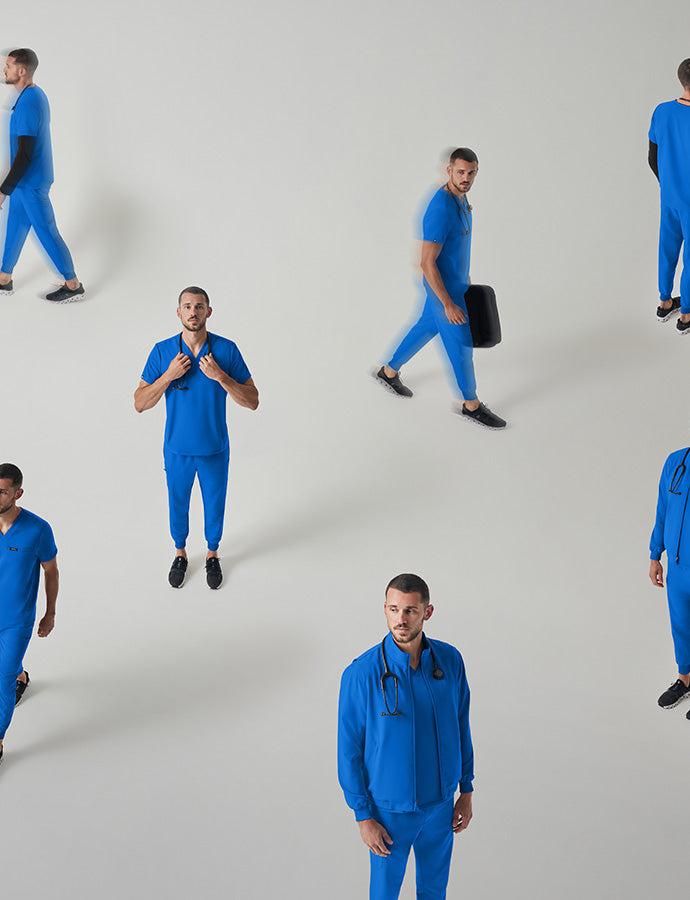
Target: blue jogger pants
678 592
13 644
430 833
212 471
457 342
674 231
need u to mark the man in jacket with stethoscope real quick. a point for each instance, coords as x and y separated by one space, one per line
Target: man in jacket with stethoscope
672 534
404 746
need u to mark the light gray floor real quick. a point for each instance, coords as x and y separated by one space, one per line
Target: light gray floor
178 744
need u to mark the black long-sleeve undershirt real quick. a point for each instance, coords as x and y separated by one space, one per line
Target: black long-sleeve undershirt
651 159
26 144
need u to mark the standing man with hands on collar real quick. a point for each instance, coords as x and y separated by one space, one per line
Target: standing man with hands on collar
196 370
404 746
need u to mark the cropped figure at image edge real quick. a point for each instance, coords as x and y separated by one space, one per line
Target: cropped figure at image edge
669 159
404 746
669 534
446 241
29 179
196 370
26 546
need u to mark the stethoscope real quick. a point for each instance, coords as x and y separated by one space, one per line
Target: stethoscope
181 386
678 476
464 211
437 673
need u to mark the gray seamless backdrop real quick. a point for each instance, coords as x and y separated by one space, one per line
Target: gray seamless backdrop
182 744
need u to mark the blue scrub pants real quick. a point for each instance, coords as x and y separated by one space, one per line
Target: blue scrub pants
678 592
13 644
31 208
674 231
457 342
212 471
430 832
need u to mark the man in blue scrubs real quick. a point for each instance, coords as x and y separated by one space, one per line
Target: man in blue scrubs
447 235
672 534
404 747
29 180
26 546
196 370
669 159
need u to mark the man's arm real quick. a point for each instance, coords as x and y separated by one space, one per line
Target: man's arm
430 252
243 394
51 578
652 158
26 144
656 542
147 395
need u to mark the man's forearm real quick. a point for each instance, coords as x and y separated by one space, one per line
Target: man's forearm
147 395
435 282
52 581
25 153
245 395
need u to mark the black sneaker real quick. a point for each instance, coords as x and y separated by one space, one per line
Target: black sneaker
673 695
393 384
663 315
177 572
214 576
6 290
683 327
483 416
21 688
66 295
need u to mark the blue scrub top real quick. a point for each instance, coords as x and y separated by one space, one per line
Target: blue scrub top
196 423
445 221
28 543
31 117
427 769
670 131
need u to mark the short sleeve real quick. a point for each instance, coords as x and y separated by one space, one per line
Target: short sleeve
435 226
46 544
152 369
27 118
238 368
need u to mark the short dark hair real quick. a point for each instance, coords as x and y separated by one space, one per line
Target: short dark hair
25 57
409 584
9 470
465 154
200 292
684 73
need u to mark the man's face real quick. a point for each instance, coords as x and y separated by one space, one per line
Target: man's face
9 494
405 615
462 174
193 312
12 71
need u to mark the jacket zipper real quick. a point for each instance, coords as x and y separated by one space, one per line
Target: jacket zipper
680 530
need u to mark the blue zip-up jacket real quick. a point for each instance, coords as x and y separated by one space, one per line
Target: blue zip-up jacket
376 753
671 530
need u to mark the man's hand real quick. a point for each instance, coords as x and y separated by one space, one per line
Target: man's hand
46 625
455 314
656 573
210 368
178 367
462 813
375 836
